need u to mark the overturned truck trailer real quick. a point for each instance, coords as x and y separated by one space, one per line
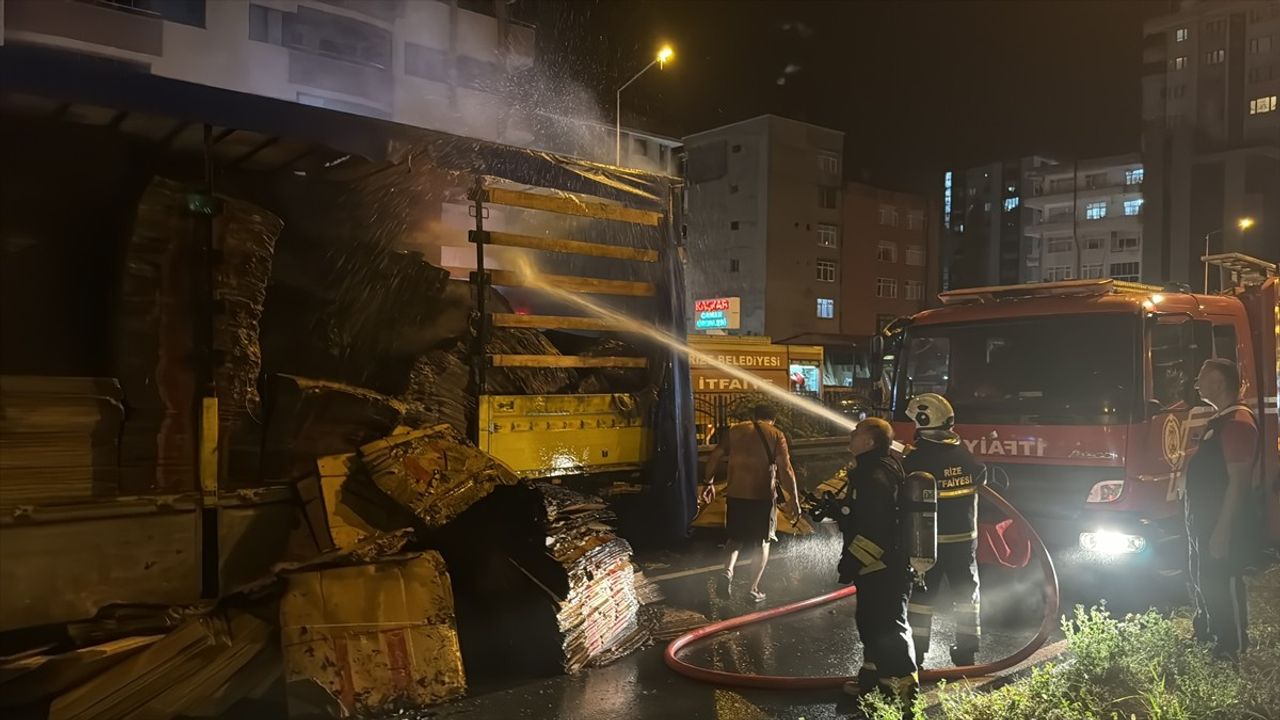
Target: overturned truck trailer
384 285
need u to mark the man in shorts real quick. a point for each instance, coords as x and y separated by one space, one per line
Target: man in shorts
759 463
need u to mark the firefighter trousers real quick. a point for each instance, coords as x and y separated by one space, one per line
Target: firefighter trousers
958 565
1217 589
888 660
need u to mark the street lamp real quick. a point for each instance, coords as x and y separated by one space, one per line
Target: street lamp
1243 223
661 59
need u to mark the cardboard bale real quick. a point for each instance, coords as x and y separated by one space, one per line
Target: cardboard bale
154 343
433 473
309 418
124 690
59 438
344 508
30 679
178 672
369 638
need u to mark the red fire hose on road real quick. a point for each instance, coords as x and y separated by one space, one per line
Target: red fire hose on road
777 682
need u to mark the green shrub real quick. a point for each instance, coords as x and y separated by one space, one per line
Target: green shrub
1140 667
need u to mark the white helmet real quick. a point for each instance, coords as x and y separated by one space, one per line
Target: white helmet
931 412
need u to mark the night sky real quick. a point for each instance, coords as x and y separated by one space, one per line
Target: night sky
916 86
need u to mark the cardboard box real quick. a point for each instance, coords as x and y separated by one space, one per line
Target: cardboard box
364 638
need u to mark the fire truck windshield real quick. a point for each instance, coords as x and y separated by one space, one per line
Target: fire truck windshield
1055 370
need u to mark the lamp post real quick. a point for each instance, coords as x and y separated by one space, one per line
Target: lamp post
1243 223
661 60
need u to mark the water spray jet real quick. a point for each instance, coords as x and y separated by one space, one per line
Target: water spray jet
533 278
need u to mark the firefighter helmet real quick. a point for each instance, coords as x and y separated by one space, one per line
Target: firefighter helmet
931 411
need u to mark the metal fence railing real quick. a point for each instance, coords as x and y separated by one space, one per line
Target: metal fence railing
716 410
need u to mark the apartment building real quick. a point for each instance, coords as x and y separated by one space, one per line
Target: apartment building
1083 219
983 242
445 65
1211 134
763 219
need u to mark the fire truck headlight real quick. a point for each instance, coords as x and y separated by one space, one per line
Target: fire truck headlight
1108 542
1105 491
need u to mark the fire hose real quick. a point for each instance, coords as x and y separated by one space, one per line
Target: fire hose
777 682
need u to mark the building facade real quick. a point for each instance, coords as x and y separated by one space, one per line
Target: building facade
445 65
889 256
886 252
1211 135
1083 220
763 222
982 224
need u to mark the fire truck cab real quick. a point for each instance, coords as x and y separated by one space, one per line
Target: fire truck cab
1080 398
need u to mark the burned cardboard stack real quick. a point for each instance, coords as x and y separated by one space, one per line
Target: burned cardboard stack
59 438
596 599
244 243
156 321
154 343
544 585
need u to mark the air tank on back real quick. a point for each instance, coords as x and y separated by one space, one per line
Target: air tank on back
919 505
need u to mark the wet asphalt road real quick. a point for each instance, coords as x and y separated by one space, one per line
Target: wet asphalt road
821 641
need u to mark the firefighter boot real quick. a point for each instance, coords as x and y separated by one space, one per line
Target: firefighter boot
902 690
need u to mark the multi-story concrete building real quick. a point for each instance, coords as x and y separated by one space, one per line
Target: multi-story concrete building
982 224
1084 219
764 199
886 253
445 65
1211 135
889 255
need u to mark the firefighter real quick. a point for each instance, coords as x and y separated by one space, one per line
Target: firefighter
939 452
874 561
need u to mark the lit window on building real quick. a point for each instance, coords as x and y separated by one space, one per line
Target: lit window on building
1091 272
1181 34
1127 271
1260 45
828 235
826 308
1215 57
1133 207
914 289
889 215
1010 204
1133 177
1180 62
826 271
886 288
1264 104
887 251
915 255
946 199
1095 210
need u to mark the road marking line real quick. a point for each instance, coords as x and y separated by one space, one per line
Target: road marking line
695 571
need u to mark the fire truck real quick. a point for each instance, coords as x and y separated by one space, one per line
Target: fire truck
1080 398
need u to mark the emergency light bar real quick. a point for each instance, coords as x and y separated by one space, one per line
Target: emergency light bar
1064 288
